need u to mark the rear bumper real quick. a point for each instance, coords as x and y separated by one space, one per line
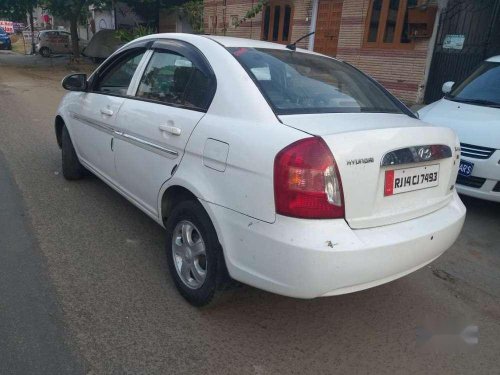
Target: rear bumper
313 258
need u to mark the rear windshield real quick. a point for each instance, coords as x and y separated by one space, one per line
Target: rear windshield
482 87
297 83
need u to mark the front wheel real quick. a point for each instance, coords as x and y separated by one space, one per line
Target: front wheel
71 166
45 52
194 254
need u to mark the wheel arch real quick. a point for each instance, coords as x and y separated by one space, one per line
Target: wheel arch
172 196
175 193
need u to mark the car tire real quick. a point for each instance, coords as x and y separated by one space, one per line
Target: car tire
190 215
45 52
71 167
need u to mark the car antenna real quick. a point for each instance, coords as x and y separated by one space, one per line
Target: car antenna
293 46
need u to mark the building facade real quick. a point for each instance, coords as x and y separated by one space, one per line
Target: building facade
391 40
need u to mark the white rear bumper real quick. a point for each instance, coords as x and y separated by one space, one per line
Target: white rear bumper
313 258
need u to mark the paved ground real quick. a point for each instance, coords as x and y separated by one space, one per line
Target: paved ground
84 274
32 328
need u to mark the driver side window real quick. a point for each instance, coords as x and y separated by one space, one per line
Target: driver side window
116 78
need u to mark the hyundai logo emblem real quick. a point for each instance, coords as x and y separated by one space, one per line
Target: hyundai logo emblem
425 153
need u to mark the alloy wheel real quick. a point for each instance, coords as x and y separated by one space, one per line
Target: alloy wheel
189 254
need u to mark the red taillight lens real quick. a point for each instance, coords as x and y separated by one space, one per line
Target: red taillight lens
306 181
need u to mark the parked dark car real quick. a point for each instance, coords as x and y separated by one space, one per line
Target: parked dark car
5 42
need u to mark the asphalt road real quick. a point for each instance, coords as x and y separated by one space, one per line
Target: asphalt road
85 285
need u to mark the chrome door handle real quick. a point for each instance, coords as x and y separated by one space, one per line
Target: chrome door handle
170 129
107 111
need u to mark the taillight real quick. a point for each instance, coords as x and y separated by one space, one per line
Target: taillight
307 181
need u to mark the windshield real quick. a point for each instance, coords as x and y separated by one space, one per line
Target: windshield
297 83
482 87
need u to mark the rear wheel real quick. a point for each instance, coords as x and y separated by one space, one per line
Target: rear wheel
194 254
45 52
71 166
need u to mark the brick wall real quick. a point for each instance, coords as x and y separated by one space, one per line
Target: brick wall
236 9
400 71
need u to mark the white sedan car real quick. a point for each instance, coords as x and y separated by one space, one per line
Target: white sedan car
280 168
472 110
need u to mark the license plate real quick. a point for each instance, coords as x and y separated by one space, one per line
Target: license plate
465 168
399 181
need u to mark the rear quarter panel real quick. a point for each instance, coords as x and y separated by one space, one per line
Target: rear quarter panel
246 185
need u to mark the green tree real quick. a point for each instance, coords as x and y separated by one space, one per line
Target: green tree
192 11
16 10
148 10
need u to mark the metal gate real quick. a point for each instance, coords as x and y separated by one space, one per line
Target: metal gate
469 32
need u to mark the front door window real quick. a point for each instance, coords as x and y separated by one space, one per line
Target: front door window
116 78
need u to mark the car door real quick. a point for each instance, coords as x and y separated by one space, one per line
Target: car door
50 40
65 42
95 116
58 42
172 96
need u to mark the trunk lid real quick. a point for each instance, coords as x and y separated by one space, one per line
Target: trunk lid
359 143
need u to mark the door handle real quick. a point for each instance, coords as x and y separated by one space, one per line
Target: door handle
170 129
107 112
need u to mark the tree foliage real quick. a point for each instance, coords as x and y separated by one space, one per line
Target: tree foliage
16 10
192 11
129 35
253 11
146 9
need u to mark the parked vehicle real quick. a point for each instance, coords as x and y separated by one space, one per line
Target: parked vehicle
5 42
102 45
55 42
288 170
472 110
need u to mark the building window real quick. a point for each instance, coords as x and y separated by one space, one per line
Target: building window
277 22
212 26
387 24
234 22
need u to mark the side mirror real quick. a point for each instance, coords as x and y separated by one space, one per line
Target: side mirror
75 82
447 87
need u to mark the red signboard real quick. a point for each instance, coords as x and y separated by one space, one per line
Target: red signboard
8 26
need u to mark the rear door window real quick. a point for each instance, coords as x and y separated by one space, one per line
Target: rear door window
173 79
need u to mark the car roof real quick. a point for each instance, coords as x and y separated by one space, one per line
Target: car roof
51 31
228 41
225 41
494 59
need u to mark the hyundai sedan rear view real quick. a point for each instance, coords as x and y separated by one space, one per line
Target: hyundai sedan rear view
276 167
